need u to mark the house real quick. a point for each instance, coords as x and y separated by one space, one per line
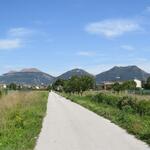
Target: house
106 85
138 83
3 86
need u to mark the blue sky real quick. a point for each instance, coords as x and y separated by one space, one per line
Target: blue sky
58 35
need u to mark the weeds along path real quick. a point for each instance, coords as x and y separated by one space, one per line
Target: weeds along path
68 126
21 115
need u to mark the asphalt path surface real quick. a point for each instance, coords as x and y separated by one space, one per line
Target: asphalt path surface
68 126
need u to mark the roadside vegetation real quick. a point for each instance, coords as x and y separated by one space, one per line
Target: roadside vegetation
3 92
129 111
21 115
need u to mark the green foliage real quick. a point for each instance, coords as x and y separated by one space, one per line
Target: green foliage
3 92
75 84
49 88
12 86
124 111
148 81
85 83
125 103
143 107
68 87
147 85
58 85
21 115
127 85
106 99
117 87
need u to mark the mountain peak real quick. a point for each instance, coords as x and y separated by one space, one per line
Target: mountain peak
27 76
119 73
30 70
124 67
73 72
77 70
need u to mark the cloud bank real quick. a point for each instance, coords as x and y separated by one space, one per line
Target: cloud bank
112 28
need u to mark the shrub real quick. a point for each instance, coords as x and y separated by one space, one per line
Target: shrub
143 107
127 102
106 99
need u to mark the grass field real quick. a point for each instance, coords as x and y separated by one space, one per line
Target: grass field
21 115
106 105
137 96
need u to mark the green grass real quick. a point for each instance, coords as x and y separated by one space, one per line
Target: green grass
21 115
134 123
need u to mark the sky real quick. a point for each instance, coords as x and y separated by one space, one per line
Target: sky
58 35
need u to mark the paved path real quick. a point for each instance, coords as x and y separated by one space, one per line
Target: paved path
68 126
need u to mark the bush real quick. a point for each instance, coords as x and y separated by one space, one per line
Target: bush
143 108
121 110
106 99
126 103
145 137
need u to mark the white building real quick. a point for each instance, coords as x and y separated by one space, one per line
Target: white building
138 83
37 87
3 86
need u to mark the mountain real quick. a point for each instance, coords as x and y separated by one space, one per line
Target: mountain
30 70
74 72
29 76
122 74
33 76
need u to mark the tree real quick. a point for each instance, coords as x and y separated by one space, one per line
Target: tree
78 84
117 87
58 85
147 85
75 84
129 85
12 86
86 83
67 86
49 88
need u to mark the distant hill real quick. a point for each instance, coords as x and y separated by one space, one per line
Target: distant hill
74 72
31 76
122 74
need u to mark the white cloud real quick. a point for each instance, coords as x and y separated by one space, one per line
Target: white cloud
10 44
127 47
148 9
19 32
85 53
16 37
112 28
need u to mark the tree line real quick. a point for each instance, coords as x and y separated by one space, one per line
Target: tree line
147 84
127 85
75 84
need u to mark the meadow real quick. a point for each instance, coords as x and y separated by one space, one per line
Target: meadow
131 112
21 115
